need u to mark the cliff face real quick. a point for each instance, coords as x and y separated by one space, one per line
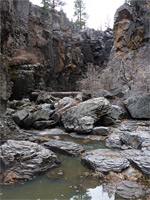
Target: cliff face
48 53
129 62
51 53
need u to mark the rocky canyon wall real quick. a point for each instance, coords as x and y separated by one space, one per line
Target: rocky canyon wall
129 62
47 53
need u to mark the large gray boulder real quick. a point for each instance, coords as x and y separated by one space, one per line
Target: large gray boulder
81 118
26 159
104 160
139 106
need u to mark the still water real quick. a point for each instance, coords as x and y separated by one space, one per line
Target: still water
71 184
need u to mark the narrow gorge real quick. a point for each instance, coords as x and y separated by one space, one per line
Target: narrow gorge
74 105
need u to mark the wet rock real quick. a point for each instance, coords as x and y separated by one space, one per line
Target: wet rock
114 141
64 147
37 116
88 138
26 159
138 106
101 130
104 160
44 124
131 190
87 112
48 132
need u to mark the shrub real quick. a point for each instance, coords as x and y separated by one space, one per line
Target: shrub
91 82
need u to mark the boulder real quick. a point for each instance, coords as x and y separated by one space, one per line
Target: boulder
104 160
130 134
139 159
64 147
131 190
104 93
134 139
118 112
114 141
142 163
19 116
15 104
81 118
26 159
62 105
86 95
101 130
37 116
45 97
139 106
44 124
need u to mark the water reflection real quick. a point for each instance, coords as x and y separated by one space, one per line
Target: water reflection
71 185
67 182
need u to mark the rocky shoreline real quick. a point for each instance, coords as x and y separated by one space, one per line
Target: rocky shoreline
29 153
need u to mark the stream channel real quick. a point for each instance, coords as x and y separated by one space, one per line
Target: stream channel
68 182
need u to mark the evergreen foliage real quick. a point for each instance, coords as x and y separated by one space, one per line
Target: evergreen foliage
51 4
80 13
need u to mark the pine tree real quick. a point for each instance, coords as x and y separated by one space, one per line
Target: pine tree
46 6
80 13
52 3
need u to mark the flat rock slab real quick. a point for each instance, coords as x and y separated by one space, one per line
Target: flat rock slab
142 163
64 147
104 160
26 159
131 190
139 159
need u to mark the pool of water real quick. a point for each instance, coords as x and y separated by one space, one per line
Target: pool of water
69 181
72 185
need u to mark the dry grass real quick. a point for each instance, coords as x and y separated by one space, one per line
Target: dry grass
91 82
23 57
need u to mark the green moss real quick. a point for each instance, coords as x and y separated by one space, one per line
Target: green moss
14 74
